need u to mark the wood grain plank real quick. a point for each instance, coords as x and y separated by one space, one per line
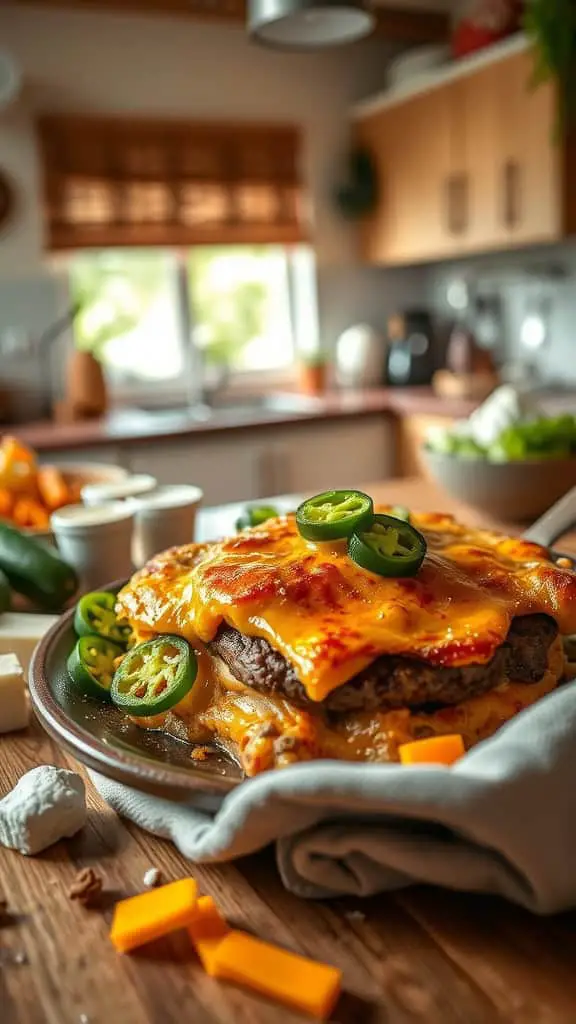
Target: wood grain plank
393 972
395 964
496 953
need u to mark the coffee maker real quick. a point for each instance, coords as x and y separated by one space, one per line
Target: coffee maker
412 356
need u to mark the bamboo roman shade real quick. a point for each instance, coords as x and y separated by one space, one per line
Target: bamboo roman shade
127 182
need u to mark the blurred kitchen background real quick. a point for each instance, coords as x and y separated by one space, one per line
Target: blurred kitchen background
264 270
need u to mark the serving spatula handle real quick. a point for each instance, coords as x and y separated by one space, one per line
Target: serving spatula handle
555 522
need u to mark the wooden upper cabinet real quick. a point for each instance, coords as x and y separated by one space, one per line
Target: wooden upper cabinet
412 144
530 163
470 166
475 172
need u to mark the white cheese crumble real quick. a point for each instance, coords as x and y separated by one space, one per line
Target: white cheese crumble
152 877
46 805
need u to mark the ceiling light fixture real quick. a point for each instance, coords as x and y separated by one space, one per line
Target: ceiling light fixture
308 24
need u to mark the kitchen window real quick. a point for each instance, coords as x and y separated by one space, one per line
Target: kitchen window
186 243
173 320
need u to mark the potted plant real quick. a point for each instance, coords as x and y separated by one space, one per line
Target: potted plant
551 26
313 373
482 23
86 391
99 319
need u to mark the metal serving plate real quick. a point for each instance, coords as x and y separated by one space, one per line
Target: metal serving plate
102 738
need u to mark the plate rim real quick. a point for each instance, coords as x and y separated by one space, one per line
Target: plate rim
128 768
149 776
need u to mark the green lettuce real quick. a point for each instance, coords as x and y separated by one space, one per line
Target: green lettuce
552 437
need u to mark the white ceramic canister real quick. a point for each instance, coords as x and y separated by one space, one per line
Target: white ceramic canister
96 541
164 519
360 357
132 487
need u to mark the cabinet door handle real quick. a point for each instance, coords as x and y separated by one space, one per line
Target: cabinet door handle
457 200
448 191
512 194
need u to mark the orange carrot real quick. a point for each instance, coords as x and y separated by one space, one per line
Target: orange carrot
6 503
13 449
436 750
52 487
304 984
17 467
30 513
152 914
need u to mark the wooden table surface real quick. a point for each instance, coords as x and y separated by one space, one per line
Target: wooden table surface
422 956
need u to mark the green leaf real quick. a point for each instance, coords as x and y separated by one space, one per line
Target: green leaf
551 26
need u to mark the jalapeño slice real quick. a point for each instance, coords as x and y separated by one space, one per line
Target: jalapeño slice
389 547
154 676
95 614
255 515
92 664
334 515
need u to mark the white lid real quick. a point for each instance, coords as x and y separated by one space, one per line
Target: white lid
139 483
176 496
79 517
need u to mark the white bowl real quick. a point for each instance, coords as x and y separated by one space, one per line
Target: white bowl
515 492
91 473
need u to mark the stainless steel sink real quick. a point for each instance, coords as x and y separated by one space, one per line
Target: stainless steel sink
232 408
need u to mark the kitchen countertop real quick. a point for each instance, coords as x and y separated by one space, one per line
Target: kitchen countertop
422 955
132 426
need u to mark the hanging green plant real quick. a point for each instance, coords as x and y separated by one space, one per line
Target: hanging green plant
551 25
358 194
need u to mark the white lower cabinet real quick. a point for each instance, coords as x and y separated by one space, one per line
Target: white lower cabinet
246 465
107 454
345 453
225 470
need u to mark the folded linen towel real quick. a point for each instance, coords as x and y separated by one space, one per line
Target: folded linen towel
502 820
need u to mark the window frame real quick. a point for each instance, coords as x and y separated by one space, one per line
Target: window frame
240 382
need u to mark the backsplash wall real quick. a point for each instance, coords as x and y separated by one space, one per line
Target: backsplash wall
519 278
28 307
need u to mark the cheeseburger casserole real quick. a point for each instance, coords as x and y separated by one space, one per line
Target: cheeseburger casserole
341 632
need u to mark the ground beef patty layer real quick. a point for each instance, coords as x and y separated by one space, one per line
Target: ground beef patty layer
390 681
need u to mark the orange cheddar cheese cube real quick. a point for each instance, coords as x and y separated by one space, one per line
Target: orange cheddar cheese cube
207 929
286 977
436 750
152 914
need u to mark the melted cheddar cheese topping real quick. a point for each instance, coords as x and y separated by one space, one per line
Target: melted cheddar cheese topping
330 618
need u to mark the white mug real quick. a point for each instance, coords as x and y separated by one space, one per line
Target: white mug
96 541
164 519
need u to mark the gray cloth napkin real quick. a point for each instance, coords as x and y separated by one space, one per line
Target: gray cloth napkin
502 820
